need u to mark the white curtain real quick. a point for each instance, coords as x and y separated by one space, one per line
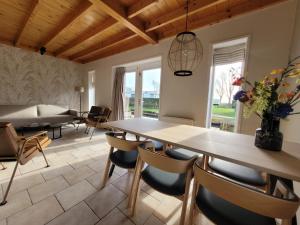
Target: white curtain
117 95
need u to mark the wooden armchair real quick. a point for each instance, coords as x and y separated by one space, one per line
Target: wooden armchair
19 148
96 117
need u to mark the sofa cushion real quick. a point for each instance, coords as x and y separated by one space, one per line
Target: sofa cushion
50 110
20 122
53 119
18 111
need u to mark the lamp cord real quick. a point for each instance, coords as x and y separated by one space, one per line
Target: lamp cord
187 13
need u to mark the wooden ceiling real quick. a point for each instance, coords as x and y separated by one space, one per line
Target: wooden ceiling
86 30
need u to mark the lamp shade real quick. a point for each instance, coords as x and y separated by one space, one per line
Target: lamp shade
185 54
80 89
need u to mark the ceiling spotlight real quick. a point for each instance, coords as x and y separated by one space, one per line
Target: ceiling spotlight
43 50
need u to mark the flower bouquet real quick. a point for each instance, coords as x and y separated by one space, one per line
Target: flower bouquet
271 99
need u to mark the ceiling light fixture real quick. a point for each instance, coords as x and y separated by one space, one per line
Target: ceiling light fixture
186 51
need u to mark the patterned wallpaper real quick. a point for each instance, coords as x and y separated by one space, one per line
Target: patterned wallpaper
30 78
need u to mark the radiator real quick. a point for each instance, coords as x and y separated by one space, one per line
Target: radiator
180 120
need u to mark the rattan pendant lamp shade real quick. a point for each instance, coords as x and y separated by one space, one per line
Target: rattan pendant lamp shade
186 51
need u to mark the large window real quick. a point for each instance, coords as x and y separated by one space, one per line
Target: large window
228 62
142 90
91 88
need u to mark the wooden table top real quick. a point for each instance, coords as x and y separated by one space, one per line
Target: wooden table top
233 147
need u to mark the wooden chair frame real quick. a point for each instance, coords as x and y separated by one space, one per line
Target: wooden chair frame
250 199
115 142
23 143
147 154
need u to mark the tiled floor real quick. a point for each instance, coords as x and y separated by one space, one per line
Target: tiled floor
67 193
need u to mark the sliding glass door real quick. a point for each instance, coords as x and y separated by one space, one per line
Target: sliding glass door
142 91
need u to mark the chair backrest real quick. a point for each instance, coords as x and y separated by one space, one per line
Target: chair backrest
8 136
163 162
118 140
255 201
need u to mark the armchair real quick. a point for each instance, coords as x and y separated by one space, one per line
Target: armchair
96 117
20 148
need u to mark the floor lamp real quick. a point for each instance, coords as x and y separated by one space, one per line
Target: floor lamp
80 90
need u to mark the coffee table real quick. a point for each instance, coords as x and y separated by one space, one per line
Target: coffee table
54 127
35 127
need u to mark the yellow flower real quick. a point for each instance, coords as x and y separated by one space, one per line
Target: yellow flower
277 71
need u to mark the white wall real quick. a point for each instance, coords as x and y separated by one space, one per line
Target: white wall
290 127
270 32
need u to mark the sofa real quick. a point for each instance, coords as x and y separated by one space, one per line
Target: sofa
22 115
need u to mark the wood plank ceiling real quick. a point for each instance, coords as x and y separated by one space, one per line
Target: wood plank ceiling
87 30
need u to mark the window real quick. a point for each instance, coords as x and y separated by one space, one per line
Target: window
91 88
228 61
142 90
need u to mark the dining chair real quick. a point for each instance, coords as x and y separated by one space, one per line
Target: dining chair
125 155
226 202
163 173
20 148
245 175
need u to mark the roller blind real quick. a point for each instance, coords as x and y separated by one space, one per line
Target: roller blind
231 54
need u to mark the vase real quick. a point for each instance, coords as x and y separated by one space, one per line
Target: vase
268 136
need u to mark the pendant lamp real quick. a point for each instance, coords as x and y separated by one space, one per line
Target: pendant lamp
186 51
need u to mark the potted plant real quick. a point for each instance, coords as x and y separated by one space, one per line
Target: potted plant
272 99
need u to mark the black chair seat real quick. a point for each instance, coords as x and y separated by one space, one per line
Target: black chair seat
180 154
222 212
165 182
124 159
239 173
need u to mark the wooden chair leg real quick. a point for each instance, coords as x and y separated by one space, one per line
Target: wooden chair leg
2 165
193 203
286 222
107 167
134 193
185 197
10 183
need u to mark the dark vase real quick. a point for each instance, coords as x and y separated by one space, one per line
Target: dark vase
268 136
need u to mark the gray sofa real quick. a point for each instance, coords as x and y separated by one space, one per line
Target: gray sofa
22 115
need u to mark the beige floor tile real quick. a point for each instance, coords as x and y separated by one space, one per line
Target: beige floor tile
55 171
15 203
115 217
37 214
23 182
168 208
98 165
3 222
96 179
80 214
105 200
124 183
154 221
32 166
6 174
144 208
120 171
75 194
44 190
78 175
200 219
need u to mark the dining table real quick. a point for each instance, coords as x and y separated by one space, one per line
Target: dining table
233 147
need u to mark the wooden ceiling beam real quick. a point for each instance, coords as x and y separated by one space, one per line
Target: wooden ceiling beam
66 21
139 7
194 7
89 33
121 47
222 14
119 12
24 24
104 44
